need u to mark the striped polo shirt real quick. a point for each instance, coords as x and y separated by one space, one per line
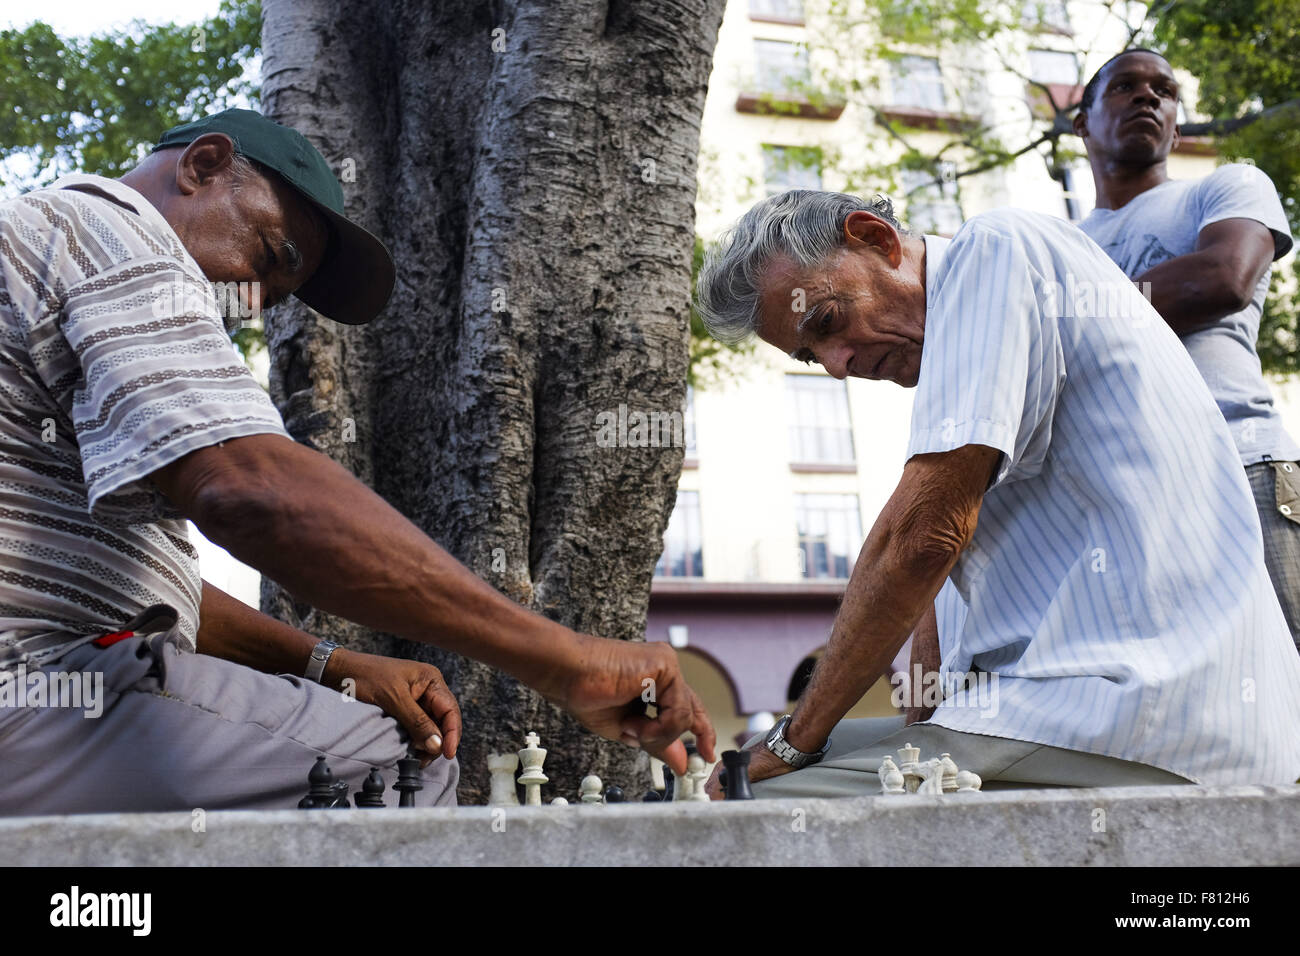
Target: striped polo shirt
1115 585
114 361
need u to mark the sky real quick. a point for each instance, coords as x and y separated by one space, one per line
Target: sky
83 17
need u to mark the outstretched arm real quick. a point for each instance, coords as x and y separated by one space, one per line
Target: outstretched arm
307 523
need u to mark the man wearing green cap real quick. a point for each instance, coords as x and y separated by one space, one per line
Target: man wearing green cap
124 410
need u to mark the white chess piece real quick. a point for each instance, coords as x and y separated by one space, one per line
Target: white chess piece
698 771
559 802
589 789
683 786
532 778
931 775
908 763
968 782
891 781
949 768
503 767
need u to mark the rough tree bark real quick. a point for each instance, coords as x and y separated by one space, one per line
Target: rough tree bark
532 167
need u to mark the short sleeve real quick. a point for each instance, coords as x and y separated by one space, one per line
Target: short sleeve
159 378
991 363
1241 191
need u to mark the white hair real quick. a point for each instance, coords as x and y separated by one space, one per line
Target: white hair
804 225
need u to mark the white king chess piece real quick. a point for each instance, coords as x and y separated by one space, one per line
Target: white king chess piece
503 767
908 763
532 778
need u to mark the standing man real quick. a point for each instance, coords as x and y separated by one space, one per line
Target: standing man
1204 249
124 410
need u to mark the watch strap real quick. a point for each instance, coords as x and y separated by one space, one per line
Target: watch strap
320 656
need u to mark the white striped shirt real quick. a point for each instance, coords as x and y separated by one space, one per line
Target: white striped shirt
1115 583
114 361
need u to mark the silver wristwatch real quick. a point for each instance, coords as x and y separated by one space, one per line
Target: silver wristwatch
320 656
797 759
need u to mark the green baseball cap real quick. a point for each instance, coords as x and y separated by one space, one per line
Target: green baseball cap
356 274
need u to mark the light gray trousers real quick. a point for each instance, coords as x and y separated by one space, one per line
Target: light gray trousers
184 731
857 746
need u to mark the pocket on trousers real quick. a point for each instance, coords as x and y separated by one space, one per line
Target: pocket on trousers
1288 489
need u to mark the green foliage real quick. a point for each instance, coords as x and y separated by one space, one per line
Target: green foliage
96 104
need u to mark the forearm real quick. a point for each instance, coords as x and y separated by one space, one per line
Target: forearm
230 629
332 542
925 654
1191 292
886 597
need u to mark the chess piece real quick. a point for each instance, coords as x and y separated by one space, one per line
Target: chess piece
669 780
908 763
532 778
502 767
697 771
931 776
615 795
372 790
559 802
968 782
320 792
736 784
652 796
949 768
891 778
408 780
589 789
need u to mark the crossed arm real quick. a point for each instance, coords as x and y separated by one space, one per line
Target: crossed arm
1194 291
924 527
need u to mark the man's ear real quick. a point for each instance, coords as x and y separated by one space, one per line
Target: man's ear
1080 124
863 228
1177 137
204 160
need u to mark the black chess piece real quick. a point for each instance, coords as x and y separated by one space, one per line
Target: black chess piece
614 795
652 796
408 780
668 783
321 792
372 791
737 774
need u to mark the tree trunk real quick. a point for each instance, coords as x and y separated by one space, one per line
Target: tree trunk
532 168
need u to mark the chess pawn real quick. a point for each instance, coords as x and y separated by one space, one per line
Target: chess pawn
968 782
652 796
589 789
908 763
949 768
615 795
532 778
891 780
502 767
698 772
559 802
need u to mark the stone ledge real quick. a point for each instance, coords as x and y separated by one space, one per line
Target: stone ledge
1143 826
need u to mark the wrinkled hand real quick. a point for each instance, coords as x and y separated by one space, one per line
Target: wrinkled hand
411 692
763 764
615 685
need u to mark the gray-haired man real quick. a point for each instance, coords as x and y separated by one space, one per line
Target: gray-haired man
1050 441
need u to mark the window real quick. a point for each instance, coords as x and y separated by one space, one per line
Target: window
820 431
791 167
791 10
931 207
917 83
782 67
682 557
830 534
1054 66
1046 14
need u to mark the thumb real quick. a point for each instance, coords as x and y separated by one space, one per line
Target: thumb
424 732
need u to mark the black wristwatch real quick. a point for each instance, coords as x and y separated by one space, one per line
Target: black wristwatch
797 759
